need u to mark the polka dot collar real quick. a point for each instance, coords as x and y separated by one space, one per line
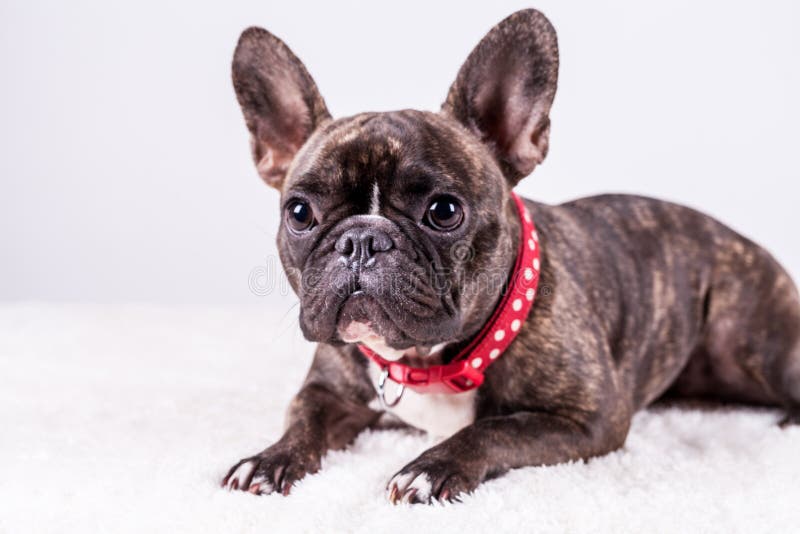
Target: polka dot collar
466 370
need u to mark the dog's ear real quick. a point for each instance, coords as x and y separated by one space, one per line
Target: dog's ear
504 91
279 99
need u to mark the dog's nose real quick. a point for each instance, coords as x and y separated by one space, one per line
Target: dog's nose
358 246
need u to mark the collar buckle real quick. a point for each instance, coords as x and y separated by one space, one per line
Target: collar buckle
462 376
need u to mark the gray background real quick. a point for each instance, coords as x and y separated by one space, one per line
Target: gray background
125 173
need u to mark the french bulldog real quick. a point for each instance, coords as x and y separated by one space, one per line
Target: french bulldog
391 223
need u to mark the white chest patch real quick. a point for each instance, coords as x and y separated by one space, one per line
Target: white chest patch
439 414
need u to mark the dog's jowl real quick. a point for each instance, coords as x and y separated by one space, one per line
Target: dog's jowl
522 333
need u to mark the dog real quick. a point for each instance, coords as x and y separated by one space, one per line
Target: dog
524 334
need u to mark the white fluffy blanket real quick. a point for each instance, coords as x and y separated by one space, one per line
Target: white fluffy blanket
124 420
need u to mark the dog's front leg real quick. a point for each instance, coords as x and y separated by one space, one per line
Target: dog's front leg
492 446
318 420
328 413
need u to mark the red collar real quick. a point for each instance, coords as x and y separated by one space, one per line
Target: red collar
466 370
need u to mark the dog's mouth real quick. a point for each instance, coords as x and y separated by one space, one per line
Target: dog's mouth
361 320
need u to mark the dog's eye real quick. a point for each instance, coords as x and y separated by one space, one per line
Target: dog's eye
444 213
300 216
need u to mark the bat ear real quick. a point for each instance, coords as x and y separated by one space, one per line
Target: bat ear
504 91
279 99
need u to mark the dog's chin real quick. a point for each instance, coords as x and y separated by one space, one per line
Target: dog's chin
362 320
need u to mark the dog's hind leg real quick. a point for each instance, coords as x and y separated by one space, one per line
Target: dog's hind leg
750 346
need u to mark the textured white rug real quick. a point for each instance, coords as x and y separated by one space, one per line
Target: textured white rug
124 420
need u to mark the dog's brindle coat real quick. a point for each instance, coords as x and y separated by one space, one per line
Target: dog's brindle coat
641 297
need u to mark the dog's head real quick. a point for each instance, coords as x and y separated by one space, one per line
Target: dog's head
398 228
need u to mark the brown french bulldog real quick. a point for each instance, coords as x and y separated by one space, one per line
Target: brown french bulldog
391 222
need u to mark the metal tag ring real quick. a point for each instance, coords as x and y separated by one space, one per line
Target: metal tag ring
382 390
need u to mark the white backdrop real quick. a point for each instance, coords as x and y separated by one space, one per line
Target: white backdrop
124 167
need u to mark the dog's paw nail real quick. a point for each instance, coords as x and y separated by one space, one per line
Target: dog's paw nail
410 488
408 497
239 476
444 495
393 494
260 486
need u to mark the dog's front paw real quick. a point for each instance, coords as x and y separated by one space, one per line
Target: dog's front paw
274 470
428 479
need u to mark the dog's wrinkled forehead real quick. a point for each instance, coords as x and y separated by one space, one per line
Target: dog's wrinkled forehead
403 154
